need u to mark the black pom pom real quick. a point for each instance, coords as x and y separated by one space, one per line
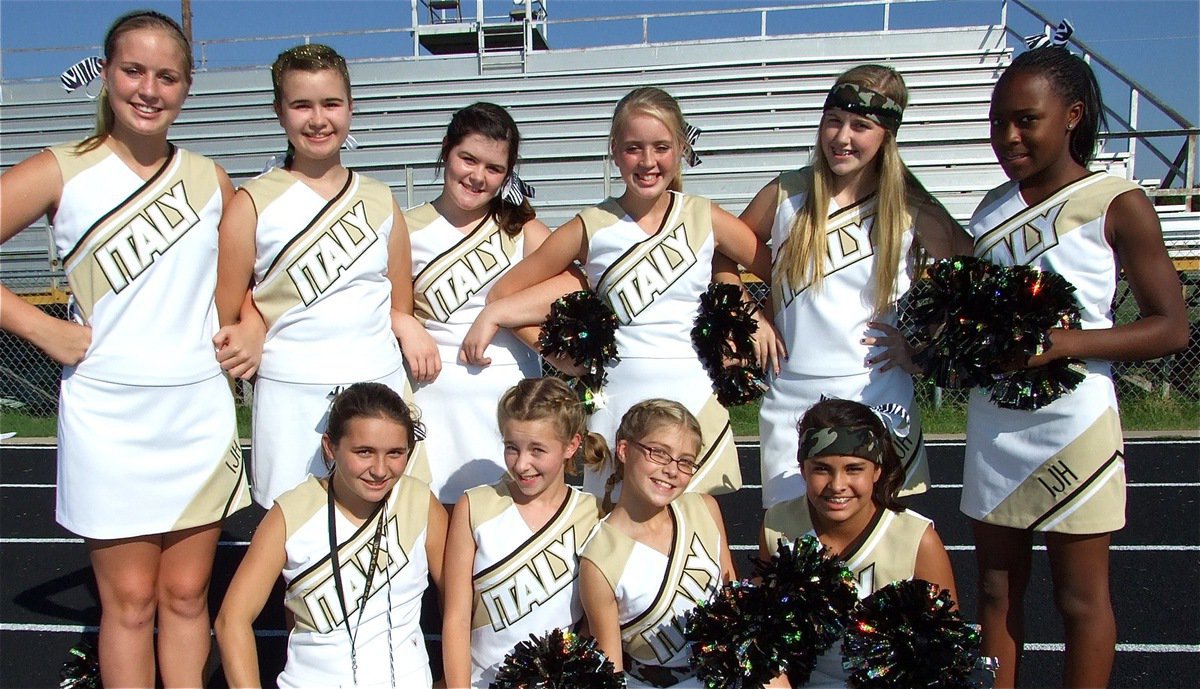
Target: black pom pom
82 669
905 635
808 596
582 328
724 330
730 638
558 660
973 322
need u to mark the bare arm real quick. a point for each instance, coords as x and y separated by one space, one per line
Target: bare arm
736 240
247 594
600 606
728 572
570 280
939 234
459 597
29 190
239 342
933 564
564 246
1162 328
416 344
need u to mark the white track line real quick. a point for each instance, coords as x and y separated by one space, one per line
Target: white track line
1058 648
1111 548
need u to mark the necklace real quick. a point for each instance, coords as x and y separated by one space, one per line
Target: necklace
376 541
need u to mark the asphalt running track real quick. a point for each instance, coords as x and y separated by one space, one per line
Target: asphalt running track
49 595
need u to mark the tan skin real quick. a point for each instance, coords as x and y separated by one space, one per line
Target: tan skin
1031 129
643 516
159 578
523 440
936 232
382 454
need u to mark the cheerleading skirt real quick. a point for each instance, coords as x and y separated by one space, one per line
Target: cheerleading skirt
137 460
1060 468
790 396
288 420
462 447
632 380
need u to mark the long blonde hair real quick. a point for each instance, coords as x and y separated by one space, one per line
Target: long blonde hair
662 106
128 23
802 261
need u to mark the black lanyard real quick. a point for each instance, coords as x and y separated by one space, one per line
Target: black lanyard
337 572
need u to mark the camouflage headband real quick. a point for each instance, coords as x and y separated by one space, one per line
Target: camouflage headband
840 440
864 102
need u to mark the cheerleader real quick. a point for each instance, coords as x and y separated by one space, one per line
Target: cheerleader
852 474
658 553
315 244
144 409
1059 469
356 550
474 232
848 234
513 550
648 254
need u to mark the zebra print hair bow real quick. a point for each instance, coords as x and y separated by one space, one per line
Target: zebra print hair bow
281 159
81 73
1055 37
693 134
516 190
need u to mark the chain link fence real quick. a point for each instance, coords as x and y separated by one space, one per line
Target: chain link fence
29 379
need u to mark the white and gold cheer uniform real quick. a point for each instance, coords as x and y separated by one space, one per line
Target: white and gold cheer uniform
655 591
822 328
653 283
525 582
1060 468
453 274
147 412
321 284
885 553
319 645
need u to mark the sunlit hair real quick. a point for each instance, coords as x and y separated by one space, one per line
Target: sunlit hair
662 106
549 399
309 57
375 401
128 23
491 122
641 420
802 257
835 413
1073 82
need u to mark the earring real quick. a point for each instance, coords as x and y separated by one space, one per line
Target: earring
1070 127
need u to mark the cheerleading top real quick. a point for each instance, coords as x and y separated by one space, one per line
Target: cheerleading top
654 591
319 645
139 257
651 281
835 313
525 582
1058 468
452 276
321 282
885 552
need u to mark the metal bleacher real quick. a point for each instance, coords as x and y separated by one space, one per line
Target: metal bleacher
757 101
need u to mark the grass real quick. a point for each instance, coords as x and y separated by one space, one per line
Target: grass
1140 411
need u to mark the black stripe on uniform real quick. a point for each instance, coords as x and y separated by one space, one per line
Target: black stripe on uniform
140 190
1075 493
316 218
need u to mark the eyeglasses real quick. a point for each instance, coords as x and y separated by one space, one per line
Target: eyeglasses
662 458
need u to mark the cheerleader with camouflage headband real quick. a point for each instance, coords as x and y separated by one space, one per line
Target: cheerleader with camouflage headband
852 473
463 243
144 411
848 234
318 247
1059 469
